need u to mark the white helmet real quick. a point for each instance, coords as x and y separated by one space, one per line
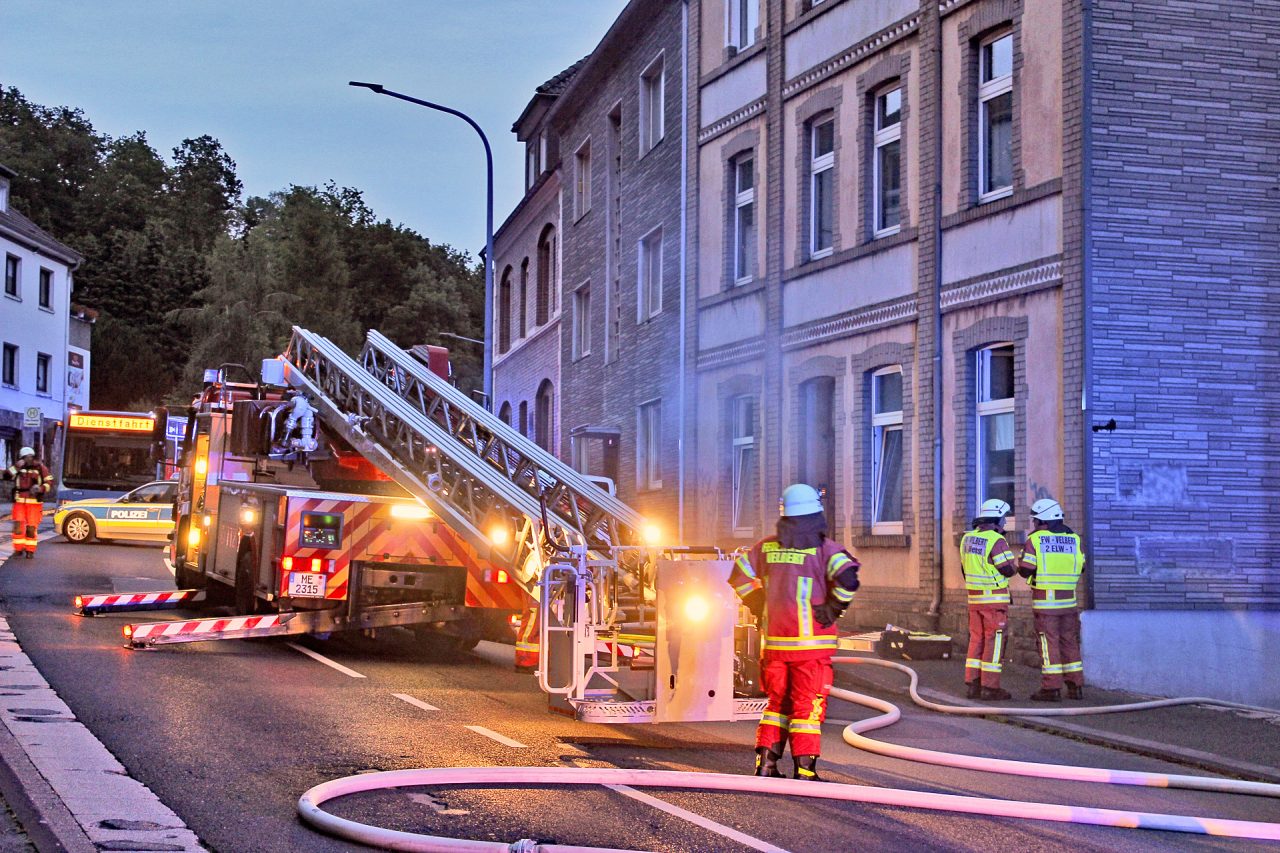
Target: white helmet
799 499
1047 509
26 451
994 508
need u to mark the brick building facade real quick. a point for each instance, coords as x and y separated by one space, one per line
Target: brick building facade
930 252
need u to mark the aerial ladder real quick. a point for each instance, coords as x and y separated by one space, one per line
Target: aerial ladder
630 629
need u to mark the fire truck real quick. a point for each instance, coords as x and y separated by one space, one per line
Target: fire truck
277 513
338 493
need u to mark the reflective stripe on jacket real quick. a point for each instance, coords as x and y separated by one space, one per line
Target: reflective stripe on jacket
27 477
1057 561
981 551
794 580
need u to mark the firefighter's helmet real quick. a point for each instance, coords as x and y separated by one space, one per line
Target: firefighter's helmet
1046 509
994 509
25 452
799 499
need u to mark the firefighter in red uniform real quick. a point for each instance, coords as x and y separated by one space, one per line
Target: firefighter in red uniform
31 483
797 584
1052 561
988 564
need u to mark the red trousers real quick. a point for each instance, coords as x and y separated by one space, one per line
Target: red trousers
26 519
1059 636
797 691
986 643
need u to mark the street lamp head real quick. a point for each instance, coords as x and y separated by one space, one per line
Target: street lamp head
376 87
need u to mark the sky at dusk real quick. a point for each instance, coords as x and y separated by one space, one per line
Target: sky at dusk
269 80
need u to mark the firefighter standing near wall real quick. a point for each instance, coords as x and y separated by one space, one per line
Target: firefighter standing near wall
32 481
988 564
798 584
1052 561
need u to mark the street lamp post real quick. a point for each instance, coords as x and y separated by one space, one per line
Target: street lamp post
488 224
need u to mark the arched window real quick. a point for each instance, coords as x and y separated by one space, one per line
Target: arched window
504 311
504 413
524 418
544 416
547 277
524 297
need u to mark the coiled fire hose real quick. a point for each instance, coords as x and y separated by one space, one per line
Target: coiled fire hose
309 805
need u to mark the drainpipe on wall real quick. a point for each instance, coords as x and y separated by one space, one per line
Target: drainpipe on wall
935 605
684 274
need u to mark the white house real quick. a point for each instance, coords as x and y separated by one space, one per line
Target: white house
42 366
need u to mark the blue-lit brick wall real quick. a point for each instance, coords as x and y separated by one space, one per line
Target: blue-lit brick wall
1184 310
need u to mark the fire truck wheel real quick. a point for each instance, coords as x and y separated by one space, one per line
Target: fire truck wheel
79 528
246 602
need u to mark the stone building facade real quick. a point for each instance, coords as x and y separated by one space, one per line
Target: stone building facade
940 252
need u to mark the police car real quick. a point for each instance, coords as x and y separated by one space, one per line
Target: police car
145 513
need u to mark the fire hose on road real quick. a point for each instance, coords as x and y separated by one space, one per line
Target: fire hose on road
311 811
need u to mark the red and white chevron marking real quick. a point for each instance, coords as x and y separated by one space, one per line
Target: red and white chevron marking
190 627
135 599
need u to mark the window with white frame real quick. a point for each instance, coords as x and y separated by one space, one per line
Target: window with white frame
743 20
886 450
822 186
888 162
43 361
649 446
995 117
746 499
995 422
582 180
532 161
652 102
650 272
744 218
11 266
46 288
582 321
9 365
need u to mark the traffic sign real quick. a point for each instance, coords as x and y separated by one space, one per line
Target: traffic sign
175 427
32 416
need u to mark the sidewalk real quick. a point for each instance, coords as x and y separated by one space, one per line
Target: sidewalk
1242 744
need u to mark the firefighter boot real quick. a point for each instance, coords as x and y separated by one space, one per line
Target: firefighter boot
1047 694
1075 691
807 768
31 555
767 763
973 689
990 694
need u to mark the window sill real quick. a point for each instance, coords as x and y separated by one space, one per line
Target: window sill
13 296
581 216
48 309
995 195
645 152
887 232
880 540
578 358
821 253
740 58
742 282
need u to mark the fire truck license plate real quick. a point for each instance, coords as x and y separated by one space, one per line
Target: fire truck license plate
306 585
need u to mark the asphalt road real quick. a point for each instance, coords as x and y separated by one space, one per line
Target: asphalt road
229 734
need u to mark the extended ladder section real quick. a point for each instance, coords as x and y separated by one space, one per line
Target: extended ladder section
488 482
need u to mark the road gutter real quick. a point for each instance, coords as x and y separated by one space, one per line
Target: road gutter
60 779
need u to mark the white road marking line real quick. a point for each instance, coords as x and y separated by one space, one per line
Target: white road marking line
502 739
417 703
324 660
695 818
